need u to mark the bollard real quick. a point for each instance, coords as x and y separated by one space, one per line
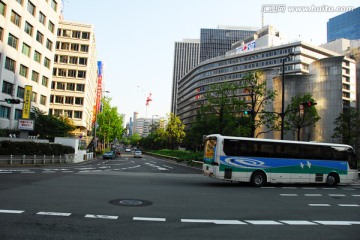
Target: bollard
11 157
23 160
52 159
44 160
60 158
34 159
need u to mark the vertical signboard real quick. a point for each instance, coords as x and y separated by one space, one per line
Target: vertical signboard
27 102
98 91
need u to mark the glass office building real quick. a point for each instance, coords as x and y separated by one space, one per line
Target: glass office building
346 25
216 42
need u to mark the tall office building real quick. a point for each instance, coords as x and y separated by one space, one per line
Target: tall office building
186 57
346 25
27 41
75 75
216 42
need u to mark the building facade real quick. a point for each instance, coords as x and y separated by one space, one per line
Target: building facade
216 42
27 42
186 57
267 52
346 25
75 75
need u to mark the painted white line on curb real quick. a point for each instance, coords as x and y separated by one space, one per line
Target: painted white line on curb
263 222
298 222
338 223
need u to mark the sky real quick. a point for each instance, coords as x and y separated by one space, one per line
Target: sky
135 39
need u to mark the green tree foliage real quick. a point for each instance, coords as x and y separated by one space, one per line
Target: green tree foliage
347 126
110 122
294 120
49 126
174 131
135 139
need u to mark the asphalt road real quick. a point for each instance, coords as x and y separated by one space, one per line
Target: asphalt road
151 198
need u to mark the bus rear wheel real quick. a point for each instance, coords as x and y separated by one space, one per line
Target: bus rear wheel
332 179
258 179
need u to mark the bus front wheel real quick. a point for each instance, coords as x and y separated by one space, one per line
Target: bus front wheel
258 179
332 180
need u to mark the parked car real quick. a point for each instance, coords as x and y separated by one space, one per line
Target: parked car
127 150
137 154
109 155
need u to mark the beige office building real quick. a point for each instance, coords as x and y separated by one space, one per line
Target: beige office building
74 84
27 42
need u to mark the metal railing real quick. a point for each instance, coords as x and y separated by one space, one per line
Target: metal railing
35 159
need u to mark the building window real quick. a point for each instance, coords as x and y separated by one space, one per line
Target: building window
53 85
85 35
23 71
34 97
79 101
57 112
54 5
78 114
70 86
72 73
18 114
20 92
73 60
20 2
1 34
35 76
47 63
83 61
15 18
42 18
69 100
80 87
10 64
28 28
42 100
2 8
81 74
45 81
4 112
59 99
51 27
63 58
37 56
13 41
31 8
49 44
84 48
74 47
54 72
62 72
68 113
76 34
65 46
60 86
39 37
66 33
7 87
26 49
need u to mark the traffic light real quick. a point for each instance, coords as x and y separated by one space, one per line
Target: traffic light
12 101
247 112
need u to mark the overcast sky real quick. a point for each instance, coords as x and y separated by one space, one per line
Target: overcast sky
135 38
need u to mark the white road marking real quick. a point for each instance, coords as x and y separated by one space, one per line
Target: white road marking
289 195
298 222
329 188
349 189
101 216
263 222
54 214
355 195
27 172
268 187
232 222
337 195
6 172
313 195
338 223
349 205
131 167
309 188
319 205
149 219
11 211
168 167
289 187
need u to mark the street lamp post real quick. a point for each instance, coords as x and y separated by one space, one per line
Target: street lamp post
283 95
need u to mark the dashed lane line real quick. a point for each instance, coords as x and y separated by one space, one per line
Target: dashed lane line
101 216
54 214
149 219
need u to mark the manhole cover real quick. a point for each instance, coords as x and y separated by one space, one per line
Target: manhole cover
130 202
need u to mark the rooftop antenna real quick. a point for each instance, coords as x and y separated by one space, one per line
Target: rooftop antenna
262 19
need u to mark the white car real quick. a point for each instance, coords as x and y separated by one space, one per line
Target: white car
137 154
127 150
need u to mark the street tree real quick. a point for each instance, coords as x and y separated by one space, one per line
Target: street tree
50 126
110 122
174 131
347 126
295 119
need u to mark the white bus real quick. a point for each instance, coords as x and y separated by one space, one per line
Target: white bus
261 161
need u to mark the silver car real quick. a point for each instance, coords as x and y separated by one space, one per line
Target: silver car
137 154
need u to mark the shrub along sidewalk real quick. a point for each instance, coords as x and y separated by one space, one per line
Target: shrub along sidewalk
187 157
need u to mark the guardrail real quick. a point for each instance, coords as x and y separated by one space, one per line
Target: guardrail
35 159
